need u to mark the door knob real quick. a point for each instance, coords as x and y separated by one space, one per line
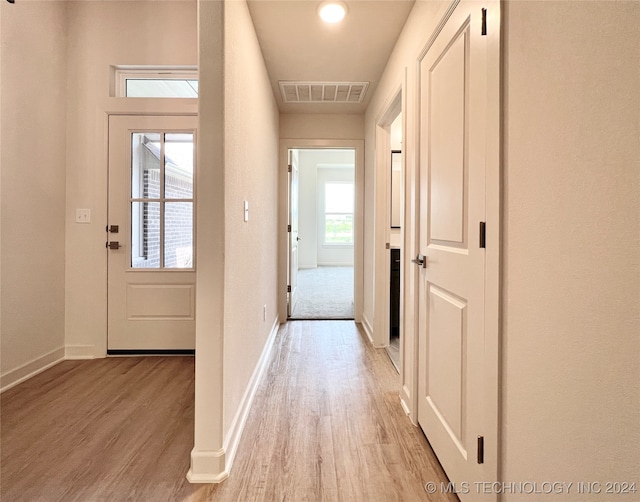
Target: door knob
420 260
113 245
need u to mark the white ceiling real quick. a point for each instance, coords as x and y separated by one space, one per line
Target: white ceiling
298 45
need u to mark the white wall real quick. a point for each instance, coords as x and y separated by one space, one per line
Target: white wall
33 115
571 272
396 133
321 126
251 248
102 34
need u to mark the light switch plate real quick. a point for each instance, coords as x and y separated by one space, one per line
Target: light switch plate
83 215
246 210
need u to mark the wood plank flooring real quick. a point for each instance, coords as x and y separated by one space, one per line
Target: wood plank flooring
326 425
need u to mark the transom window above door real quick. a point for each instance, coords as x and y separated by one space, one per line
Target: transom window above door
162 190
146 82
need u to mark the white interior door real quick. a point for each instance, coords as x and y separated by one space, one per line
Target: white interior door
452 205
150 233
294 238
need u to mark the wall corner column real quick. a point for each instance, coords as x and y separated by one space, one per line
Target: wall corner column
208 455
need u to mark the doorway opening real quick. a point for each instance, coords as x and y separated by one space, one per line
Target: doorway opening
322 233
396 202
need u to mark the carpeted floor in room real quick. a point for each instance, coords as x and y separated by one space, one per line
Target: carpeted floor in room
324 293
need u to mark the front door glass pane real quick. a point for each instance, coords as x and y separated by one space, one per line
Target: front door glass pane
178 166
178 235
162 188
145 165
145 235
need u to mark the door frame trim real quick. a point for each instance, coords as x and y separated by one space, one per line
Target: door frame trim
358 245
395 106
493 239
108 107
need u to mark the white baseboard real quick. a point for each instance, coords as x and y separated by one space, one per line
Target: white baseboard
240 419
80 352
404 406
336 264
31 369
207 467
368 330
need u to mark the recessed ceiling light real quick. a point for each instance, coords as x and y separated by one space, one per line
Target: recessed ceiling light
332 12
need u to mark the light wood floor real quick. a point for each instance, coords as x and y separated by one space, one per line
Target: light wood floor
326 426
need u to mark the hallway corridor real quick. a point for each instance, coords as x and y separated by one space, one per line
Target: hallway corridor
326 425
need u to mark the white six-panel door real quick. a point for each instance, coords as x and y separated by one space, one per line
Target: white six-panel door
452 206
150 233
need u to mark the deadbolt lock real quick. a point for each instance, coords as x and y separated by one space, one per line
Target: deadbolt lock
114 229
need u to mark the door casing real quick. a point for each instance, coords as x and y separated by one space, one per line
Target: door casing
283 209
493 216
144 326
96 346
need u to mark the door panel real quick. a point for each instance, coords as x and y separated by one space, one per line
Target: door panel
161 301
452 203
294 238
151 273
446 364
447 142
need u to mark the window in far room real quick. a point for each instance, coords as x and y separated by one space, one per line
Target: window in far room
338 213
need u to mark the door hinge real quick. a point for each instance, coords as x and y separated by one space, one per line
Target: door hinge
484 22
483 234
289 168
288 228
288 289
481 449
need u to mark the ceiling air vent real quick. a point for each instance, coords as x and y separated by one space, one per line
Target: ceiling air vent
323 92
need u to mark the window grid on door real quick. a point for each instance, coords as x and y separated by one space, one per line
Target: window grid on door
162 200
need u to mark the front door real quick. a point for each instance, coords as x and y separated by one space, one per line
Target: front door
150 234
294 238
453 94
